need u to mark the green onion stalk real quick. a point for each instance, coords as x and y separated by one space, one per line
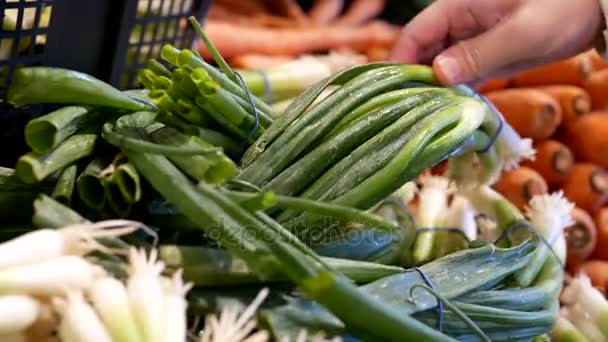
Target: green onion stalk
220 216
36 85
33 168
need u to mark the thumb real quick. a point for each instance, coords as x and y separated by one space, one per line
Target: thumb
479 57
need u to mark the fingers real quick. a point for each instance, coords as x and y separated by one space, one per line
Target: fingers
444 22
481 56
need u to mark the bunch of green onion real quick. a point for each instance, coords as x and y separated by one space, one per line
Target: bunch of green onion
332 161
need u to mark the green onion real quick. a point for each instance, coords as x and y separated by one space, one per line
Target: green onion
158 68
110 300
212 168
46 132
565 331
89 183
216 267
33 168
549 214
79 321
298 107
16 197
309 128
49 213
585 302
305 170
17 313
338 294
36 85
64 188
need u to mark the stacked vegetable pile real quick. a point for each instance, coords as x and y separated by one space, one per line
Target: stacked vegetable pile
316 210
258 33
562 107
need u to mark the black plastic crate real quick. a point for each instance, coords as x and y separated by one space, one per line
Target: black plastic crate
109 39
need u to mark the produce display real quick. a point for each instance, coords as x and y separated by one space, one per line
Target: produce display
562 106
193 209
254 34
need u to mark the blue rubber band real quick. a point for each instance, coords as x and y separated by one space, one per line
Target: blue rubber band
255 112
529 227
501 123
428 282
267 85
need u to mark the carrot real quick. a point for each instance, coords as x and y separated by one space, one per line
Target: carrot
598 62
439 169
587 186
234 40
574 101
569 71
258 61
553 161
597 270
493 85
587 136
531 112
289 8
601 223
377 53
520 184
597 87
262 19
243 7
361 11
581 238
324 12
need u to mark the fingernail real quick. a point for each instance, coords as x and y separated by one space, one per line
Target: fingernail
448 69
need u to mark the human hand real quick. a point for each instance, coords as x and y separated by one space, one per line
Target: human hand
469 41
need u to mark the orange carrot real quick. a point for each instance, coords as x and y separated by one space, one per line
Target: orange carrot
520 184
574 101
377 53
324 12
601 223
234 40
569 71
493 85
361 11
553 161
439 169
220 12
587 136
597 271
243 7
289 8
581 238
597 87
258 61
587 186
598 62
531 112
